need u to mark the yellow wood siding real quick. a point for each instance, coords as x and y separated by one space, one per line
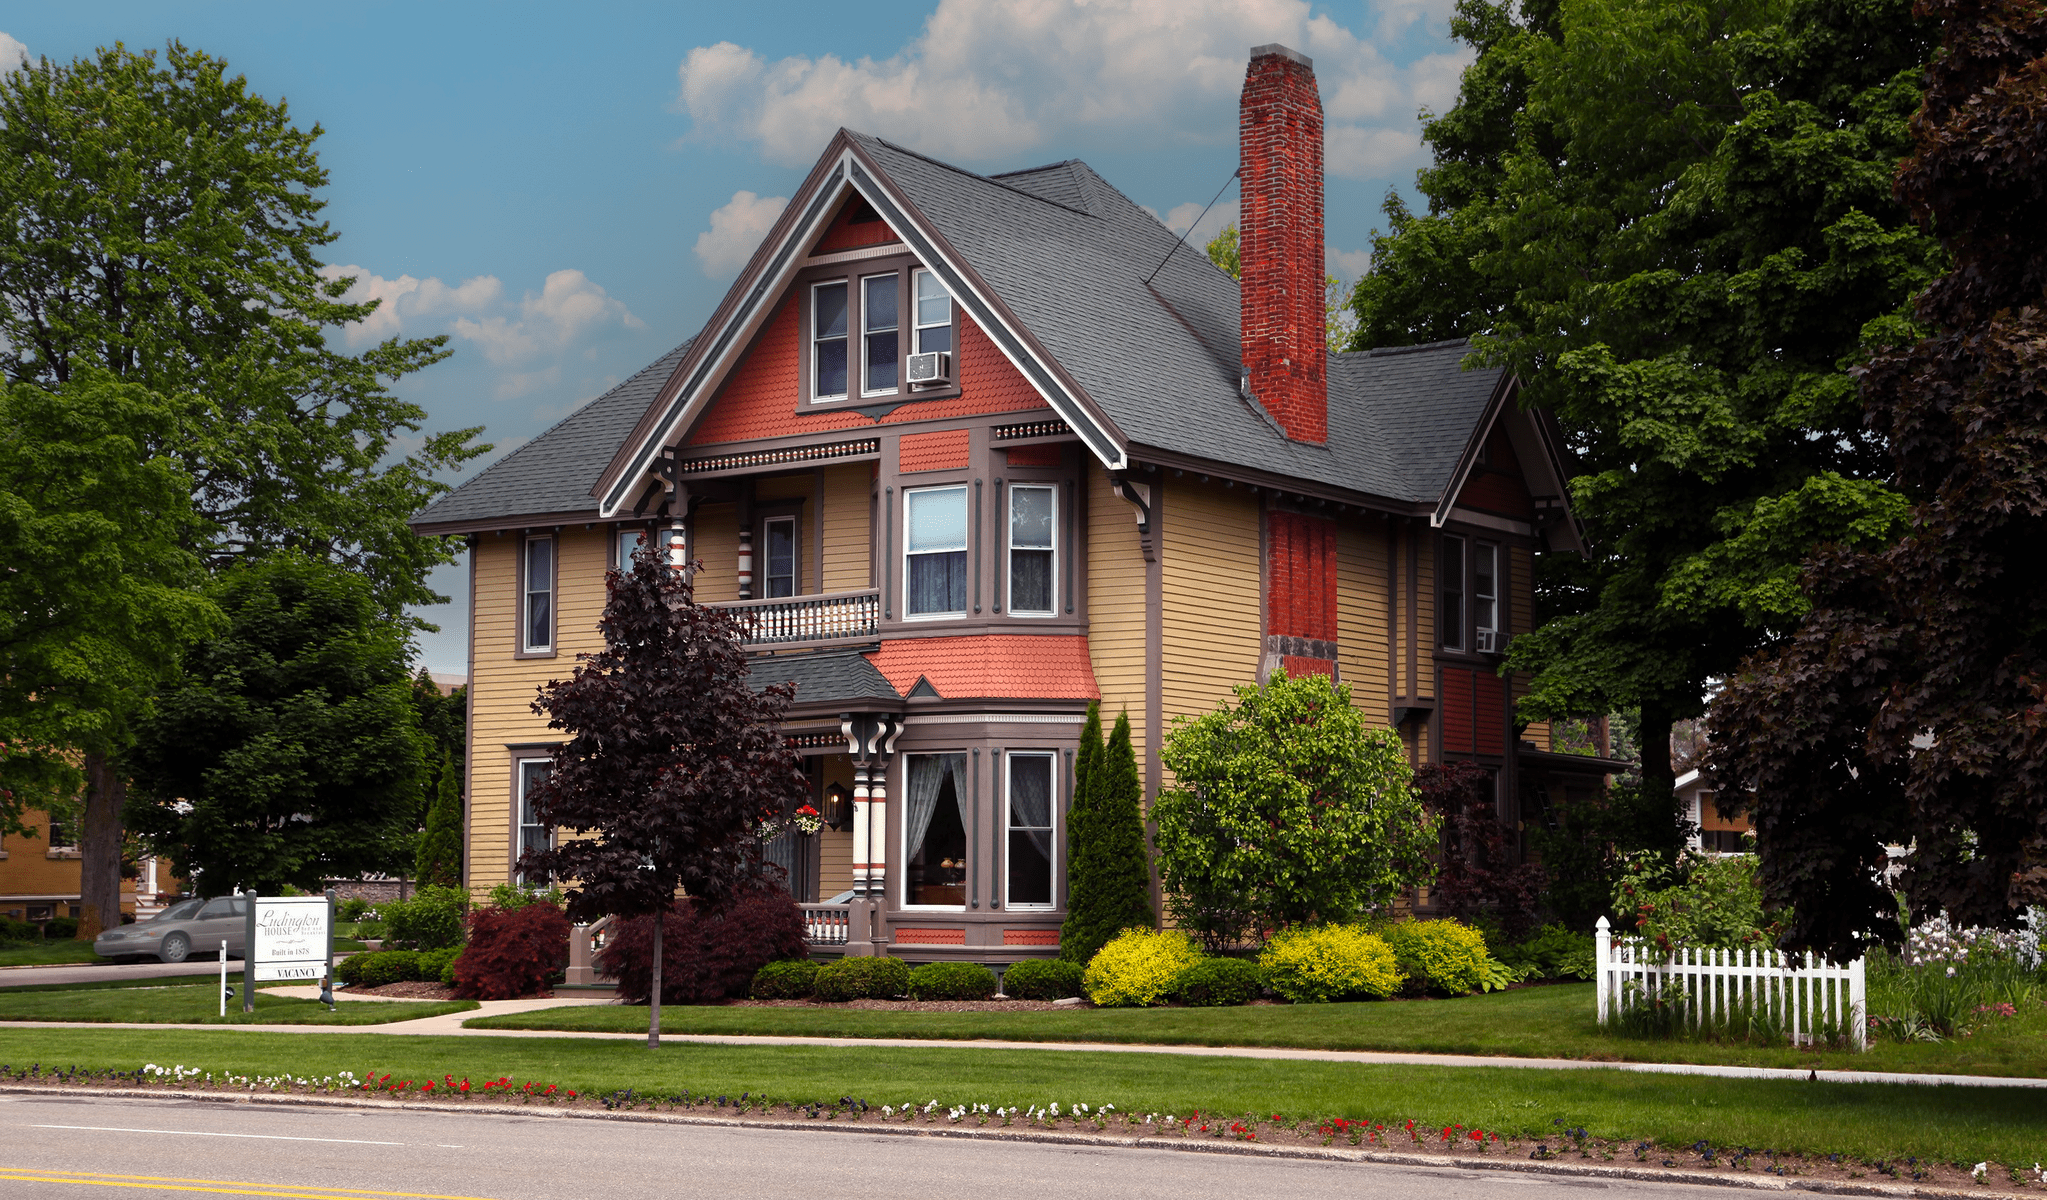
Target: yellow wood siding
715 528
501 694
1361 613
835 849
1211 638
786 487
848 519
1115 603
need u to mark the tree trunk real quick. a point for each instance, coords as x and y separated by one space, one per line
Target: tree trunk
1659 778
99 846
654 996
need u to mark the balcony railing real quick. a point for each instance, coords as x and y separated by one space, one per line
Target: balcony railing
827 924
790 620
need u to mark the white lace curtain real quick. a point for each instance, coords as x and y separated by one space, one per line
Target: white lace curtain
928 773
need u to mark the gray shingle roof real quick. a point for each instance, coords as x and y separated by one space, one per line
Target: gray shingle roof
824 676
552 474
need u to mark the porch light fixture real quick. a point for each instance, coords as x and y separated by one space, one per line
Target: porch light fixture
838 806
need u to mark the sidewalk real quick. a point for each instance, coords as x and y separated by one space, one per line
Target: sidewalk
455 1025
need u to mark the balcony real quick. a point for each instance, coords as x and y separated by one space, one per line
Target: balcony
837 618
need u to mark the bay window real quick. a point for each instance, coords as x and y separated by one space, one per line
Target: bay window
828 341
935 552
1032 556
878 325
1029 874
935 831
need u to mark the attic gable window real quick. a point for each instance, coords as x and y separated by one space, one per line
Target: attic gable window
934 315
879 329
828 340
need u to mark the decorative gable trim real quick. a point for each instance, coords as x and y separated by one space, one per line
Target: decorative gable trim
755 295
1560 527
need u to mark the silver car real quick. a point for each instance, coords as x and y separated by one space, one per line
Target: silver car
184 929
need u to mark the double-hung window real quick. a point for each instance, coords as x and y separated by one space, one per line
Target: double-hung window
1468 596
934 315
536 623
879 326
532 834
1450 594
779 534
828 341
1029 882
1033 558
1485 602
935 552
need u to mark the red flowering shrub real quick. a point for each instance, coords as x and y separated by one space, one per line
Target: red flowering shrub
512 952
707 959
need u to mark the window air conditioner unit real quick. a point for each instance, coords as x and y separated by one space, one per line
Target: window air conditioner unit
930 369
1488 641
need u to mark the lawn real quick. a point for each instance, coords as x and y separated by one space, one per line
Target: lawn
1543 1022
194 1003
1863 1120
36 954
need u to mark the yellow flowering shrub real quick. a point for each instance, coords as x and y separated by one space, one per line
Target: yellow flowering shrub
1313 965
1445 956
1138 968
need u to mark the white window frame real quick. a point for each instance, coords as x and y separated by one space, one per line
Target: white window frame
852 366
1052 803
895 279
967 524
519 823
917 323
528 590
903 837
1010 549
795 559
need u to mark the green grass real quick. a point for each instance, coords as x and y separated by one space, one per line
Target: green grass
36 954
199 1003
101 985
1943 1123
1546 1022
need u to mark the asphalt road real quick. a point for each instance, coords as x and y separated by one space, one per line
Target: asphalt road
77 1147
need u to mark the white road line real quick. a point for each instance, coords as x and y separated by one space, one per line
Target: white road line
267 1137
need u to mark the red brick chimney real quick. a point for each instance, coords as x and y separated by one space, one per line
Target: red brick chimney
1286 360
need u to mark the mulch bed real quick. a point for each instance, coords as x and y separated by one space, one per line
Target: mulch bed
412 989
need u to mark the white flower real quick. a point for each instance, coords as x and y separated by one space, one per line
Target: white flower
1981 1170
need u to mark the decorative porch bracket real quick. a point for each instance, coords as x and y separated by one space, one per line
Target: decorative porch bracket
871 742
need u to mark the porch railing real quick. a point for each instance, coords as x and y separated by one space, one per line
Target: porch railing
827 924
835 617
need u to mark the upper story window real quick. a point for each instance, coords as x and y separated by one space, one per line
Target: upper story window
1033 558
879 326
1485 602
934 315
536 624
780 539
1468 596
828 340
935 551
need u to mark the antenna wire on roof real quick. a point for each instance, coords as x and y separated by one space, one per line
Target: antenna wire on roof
1190 228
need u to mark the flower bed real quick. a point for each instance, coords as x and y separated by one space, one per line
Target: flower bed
1388 1138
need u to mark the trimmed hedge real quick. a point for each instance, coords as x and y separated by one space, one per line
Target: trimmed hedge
512 952
60 929
12 930
1330 962
376 970
432 920
1042 979
863 978
704 958
790 979
1138 967
952 981
1219 983
1441 956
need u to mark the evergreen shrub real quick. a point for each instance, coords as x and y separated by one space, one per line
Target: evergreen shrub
12 930
1138 968
438 966
1317 964
376 970
432 920
1219 983
1042 979
708 958
790 979
60 929
1448 957
512 952
951 981
863 978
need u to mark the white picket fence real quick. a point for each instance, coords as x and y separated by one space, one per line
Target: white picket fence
1798 993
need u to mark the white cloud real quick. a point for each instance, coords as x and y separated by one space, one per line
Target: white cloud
1180 216
985 81
1347 265
525 340
12 53
736 230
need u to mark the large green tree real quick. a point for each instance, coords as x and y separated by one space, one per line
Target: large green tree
1909 707
161 223
1672 219
288 750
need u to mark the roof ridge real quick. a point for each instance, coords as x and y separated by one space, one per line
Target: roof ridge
1052 166
988 179
1386 351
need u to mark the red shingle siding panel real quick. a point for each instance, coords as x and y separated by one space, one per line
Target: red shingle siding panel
1489 713
1030 937
1036 456
1280 146
1496 492
851 235
1474 711
1457 712
1300 576
996 665
930 937
943 450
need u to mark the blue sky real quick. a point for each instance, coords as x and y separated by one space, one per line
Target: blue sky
567 191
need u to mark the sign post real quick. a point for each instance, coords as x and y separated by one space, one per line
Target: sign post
249 975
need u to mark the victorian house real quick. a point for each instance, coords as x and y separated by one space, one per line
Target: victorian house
967 452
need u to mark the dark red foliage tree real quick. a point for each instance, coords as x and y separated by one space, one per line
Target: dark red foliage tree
671 765
1907 707
1481 874
707 958
512 952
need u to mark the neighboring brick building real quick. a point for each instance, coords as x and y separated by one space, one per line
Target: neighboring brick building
970 451
39 876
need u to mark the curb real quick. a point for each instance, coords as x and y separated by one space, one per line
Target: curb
1243 1149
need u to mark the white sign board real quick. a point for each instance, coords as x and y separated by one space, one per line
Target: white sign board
292 937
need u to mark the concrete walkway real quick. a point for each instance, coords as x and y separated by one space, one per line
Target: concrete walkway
456 1025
